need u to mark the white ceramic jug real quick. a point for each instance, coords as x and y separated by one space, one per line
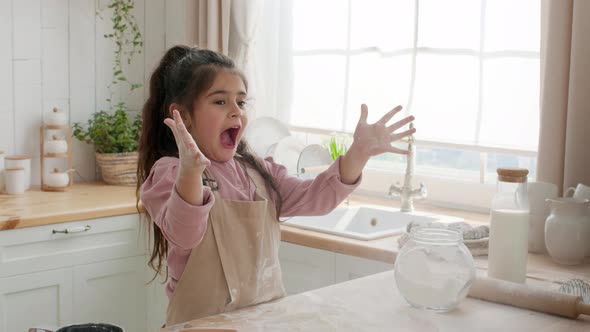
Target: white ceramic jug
56 118
57 179
567 230
56 145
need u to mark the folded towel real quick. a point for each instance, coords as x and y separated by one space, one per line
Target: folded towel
475 238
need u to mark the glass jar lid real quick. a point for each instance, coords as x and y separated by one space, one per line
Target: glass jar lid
515 175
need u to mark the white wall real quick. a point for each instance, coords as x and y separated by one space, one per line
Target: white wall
53 54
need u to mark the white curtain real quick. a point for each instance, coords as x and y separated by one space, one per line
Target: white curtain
564 140
245 19
257 35
210 26
273 60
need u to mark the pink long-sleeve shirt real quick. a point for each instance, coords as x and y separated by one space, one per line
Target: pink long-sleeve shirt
184 225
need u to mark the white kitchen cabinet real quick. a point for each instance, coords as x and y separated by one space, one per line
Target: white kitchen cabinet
111 291
36 299
307 268
41 248
351 267
156 300
95 272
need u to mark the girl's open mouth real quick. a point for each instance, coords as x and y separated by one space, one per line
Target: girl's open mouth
229 137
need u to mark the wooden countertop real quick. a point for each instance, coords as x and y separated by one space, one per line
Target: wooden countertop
83 201
374 304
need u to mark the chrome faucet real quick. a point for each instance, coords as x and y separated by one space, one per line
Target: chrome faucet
405 192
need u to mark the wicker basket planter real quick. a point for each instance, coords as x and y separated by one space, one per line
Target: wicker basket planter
118 168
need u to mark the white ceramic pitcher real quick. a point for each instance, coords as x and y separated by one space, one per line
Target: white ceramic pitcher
567 230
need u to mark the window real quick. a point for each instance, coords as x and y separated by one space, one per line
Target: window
467 69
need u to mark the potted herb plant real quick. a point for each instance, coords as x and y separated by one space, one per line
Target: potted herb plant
337 145
114 132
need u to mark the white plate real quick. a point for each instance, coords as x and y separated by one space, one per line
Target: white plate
264 132
286 153
312 155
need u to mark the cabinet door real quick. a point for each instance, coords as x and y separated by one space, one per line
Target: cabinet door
305 268
112 292
351 267
156 299
42 299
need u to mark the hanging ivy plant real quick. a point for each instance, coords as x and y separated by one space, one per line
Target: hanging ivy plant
113 131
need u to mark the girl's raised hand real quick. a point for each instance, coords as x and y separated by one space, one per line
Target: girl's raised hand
376 138
191 158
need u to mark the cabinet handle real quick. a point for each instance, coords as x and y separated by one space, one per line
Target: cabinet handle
77 229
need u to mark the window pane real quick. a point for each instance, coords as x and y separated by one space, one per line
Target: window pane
448 163
320 24
318 91
437 162
446 97
510 113
386 24
513 25
449 24
389 162
381 83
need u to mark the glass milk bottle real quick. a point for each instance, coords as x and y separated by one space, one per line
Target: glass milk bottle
509 226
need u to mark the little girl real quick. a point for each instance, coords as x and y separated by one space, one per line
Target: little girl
215 205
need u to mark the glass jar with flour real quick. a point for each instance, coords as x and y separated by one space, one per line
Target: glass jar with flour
434 269
509 226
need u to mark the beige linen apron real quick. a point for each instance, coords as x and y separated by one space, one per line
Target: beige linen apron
236 264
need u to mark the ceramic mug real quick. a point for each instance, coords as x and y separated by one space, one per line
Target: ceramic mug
538 192
88 327
580 191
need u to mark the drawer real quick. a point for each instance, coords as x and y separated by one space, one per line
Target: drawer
41 248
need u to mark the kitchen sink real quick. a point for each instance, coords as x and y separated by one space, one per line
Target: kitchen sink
365 222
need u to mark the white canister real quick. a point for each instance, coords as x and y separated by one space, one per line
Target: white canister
56 118
15 180
57 179
56 145
2 171
20 162
567 230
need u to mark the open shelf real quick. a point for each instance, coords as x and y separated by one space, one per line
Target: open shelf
56 155
48 188
57 127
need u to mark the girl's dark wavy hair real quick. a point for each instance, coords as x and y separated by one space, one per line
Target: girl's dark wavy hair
184 74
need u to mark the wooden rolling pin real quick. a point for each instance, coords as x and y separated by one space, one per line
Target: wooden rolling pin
528 297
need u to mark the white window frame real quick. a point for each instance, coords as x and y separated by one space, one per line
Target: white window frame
466 195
